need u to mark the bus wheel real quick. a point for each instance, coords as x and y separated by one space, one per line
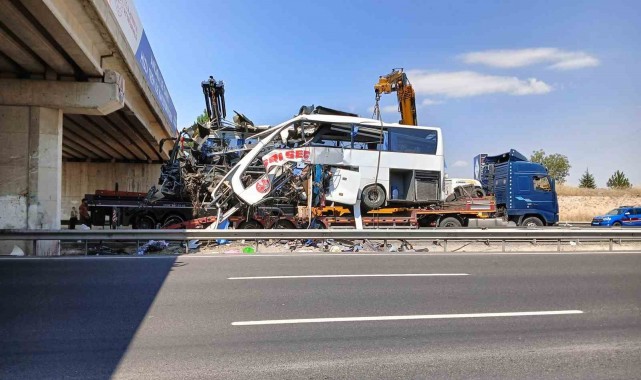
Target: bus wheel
373 196
145 222
450 222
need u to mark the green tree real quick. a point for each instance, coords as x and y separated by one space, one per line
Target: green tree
202 118
618 181
557 164
587 180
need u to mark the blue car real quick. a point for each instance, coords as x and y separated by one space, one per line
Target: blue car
623 216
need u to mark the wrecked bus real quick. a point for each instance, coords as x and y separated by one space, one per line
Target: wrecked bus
372 164
393 172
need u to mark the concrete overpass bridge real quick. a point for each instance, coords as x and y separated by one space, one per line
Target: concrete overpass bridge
82 106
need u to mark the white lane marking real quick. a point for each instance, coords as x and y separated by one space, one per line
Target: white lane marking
350 275
405 317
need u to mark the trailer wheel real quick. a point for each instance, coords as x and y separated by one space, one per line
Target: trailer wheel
373 197
250 225
450 222
145 222
532 221
284 224
172 219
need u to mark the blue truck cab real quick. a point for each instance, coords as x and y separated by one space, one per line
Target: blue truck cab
524 191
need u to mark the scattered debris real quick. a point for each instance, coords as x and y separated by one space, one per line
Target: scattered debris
152 246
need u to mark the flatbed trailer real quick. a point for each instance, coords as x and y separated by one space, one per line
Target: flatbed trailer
131 208
456 214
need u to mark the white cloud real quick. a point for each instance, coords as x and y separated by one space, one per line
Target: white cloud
389 109
460 164
557 58
429 102
385 109
458 84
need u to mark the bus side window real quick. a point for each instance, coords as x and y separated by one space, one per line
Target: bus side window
376 146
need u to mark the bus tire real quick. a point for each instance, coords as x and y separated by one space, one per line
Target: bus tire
373 197
532 221
450 222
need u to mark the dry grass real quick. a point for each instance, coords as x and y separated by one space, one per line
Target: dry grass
581 205
577 191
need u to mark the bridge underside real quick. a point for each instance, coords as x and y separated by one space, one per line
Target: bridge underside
117 137
75 109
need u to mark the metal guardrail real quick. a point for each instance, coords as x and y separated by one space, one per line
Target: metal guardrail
374 234
555 235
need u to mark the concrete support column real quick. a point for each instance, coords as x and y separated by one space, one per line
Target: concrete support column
31 172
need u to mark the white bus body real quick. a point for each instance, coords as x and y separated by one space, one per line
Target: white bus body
408 163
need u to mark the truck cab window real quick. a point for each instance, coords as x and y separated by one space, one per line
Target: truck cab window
542 184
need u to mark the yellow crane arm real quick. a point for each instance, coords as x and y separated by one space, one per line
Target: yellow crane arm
397 82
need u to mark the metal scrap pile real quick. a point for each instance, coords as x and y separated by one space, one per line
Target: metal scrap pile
203 153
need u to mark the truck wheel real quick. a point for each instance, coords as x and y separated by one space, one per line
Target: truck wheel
145 222
450 222
373 197
532 221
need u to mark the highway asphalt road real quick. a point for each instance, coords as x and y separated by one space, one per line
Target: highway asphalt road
457 316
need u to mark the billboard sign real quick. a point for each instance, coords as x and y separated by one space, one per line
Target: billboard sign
129 21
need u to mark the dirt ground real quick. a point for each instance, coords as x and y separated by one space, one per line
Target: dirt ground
581 205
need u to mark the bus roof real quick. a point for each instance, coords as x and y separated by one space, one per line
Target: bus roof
357 120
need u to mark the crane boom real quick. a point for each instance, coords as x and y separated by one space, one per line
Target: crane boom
397 81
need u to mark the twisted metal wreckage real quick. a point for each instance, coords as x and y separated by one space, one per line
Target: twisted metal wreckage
203 154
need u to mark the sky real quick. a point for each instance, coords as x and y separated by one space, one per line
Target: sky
560 76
